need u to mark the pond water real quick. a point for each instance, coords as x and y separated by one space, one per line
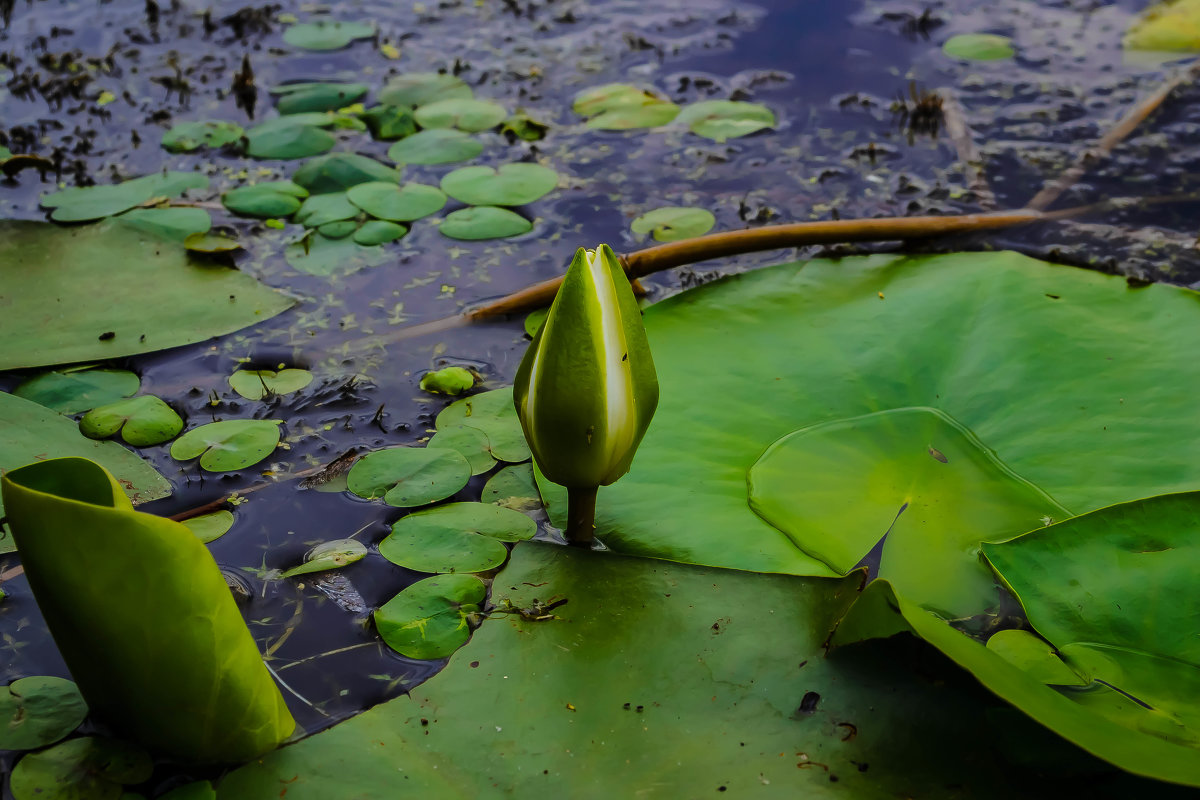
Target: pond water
93 86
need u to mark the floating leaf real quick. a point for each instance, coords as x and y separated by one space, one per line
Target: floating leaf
387 200
429 618
419 88
471 442
376 231
726 119
444 146
978 47
173 224
524 127
651 115
339 171
29 432
409 476
301 98
338 230
533 322
1035 656
112 280
326 34
1166 27
464 113
96 202
329 555
494 414
459 537
673 223
513 487
188 136
228 445
38 711
211 243
266 200
255 384
511 185
198 790
318 209
389 122
611 96
484 222
80 769
70 391
319 255
210 527
288 140
449 380
142 421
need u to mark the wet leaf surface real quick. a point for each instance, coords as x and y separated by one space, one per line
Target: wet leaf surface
448 380
74 390
442 146
142 421
509 185
673 223
255 384
494 414
484 222
326 34
210 527
97 202
228 445
329 555
429 618
38 711
472 443
80 769
459 537
389 201
406 477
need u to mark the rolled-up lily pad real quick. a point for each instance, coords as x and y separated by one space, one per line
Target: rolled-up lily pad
38 711
429 618
459 537
188 136
409 476
142 421
326 34
228 445
510 185
438 146
725 119
299 98
70 391
673 223
466 114
255 384
389 201
96 202
419 88
339 171
378 231
269 199
484 222
328 555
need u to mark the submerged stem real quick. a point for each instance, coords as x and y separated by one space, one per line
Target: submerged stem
581 516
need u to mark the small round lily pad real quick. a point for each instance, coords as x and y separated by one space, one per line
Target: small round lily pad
419 88
726 119
265 200
459 537
337 172
534 321
471 442
188 136
326 34
329 555
255 384
387 200
978 47
651 115
378 231
210 527
448 380
78 769
673 223
438 146
228 445
464 113
142 421
38 711
429 618
484 222
610 96
513 487
338 230
510 185
318 209
299 98
211 243
409 476
494 414
75 390
288 141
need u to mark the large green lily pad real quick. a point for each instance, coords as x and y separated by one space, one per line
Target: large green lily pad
142 421
80 204
662 680
80 769
115 292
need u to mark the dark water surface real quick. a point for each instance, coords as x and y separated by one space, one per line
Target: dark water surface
831 70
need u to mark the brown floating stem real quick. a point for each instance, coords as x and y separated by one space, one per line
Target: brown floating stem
581 516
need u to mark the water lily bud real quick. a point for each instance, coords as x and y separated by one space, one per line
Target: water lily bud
586 389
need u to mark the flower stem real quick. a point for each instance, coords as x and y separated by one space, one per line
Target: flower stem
581 516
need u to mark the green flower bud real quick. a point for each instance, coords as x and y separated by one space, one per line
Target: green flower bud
586 389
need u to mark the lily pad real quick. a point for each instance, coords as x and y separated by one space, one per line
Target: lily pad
197 790
97 202
651 115
389 122
409 476
510 185
329 555
1166 27
726 119
70 391
339 229
419 88
288 140
228 445
339 171
673 223
326 34
377 231
429 618
80 769
141 421
471 442
1033 655
449 380
255 384
188 136
211 243
494 414
513 487
38 711
439 146
171 224
464 113
978 47
611 96
534 321
318 209
459 537
265 200
389 201
210 527
484 222
319 255
300 98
